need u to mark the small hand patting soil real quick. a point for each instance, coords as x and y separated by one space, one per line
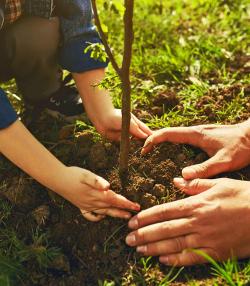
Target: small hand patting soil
95 251
92 251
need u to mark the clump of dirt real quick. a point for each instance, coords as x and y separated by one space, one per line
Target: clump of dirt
217 98
150 177
20 193
167 98
90 252
240 64
96 249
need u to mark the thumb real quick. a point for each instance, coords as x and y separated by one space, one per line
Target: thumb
213 166
194 187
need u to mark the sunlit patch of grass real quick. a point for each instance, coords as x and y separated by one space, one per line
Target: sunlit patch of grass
145 272
229 271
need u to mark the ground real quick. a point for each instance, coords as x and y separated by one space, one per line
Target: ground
191 65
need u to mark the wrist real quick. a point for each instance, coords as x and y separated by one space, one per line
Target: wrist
59 183
105 119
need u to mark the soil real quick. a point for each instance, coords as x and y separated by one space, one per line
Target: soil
97 251
217 98
89 251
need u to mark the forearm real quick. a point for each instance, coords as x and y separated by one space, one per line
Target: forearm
20 147
97 101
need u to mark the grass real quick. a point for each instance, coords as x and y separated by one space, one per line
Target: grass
195 49
16 255
185 45
229 271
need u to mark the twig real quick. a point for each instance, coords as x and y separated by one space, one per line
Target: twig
104 39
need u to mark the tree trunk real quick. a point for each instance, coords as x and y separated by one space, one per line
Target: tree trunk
124 75
126 117
126 86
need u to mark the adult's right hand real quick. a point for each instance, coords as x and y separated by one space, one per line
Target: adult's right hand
215 219
228 146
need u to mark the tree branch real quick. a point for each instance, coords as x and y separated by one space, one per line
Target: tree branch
104 39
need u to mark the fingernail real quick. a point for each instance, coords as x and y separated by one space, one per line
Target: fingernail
130 239
164 259
180 182
133 223
188 173
137 207
127 216
142 249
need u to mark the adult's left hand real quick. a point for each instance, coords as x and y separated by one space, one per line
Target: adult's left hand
215 220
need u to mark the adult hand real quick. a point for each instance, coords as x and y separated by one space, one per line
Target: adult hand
111 127
216 220
91 194
228 146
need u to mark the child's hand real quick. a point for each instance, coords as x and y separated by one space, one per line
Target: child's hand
111 127
91 194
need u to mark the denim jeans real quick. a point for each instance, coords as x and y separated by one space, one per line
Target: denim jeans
29 53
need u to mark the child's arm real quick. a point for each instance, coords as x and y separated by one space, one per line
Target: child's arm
100 109
84 189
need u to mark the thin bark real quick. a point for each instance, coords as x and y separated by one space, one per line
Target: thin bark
124 74
126 85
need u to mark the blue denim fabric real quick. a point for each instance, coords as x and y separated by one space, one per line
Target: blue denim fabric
78 31
7 113
73 58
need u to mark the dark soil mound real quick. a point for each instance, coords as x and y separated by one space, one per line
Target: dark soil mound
95 251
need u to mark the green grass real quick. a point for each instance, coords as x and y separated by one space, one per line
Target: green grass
192 48
18 255
183 44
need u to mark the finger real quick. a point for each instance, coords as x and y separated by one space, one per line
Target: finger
187 135
113 212
168 246
92 217
142 126
94 181
187 257
118 201
107 199
136 131
195 186
174 210
159 231
209 168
